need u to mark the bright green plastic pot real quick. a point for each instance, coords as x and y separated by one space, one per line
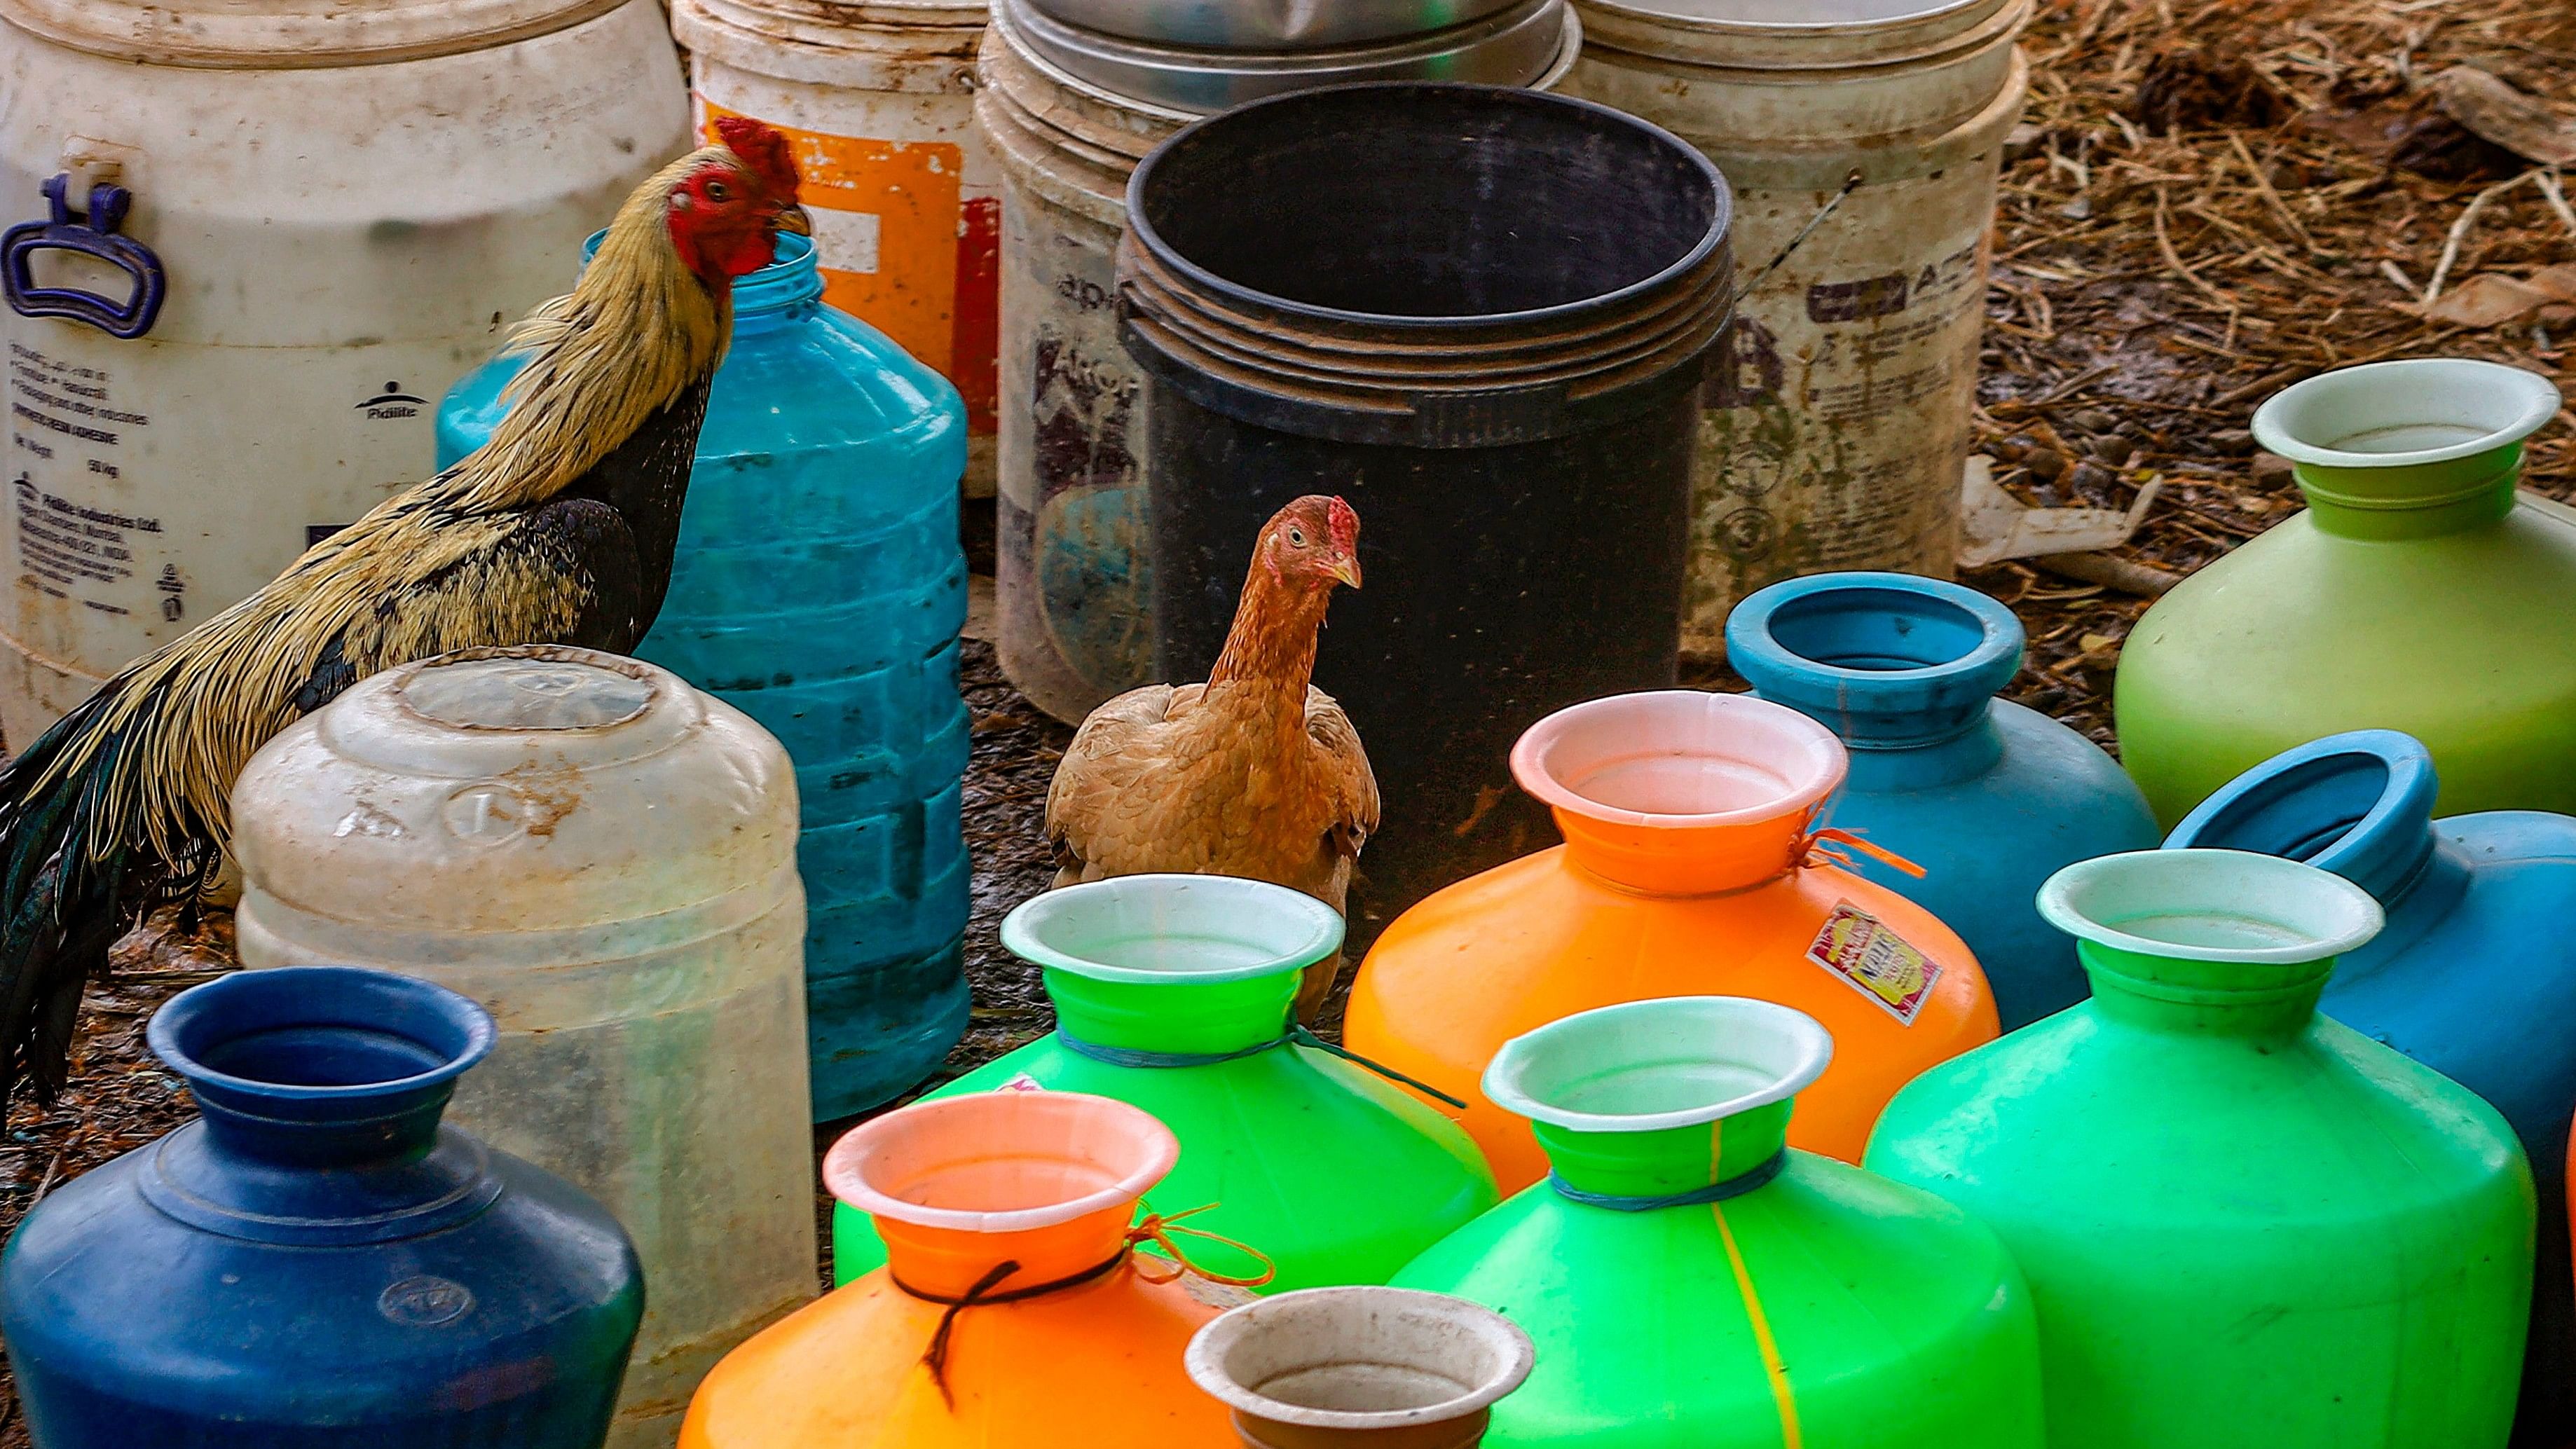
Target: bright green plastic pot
1172 993
1692 1283
2415 593
2243 1223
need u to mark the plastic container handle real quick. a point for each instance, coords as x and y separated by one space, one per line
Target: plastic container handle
93 236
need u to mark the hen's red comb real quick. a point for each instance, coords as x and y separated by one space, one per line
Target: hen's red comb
1344 521
763 150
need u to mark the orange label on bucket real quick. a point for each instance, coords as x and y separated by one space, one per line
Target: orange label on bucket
900 250
1859 948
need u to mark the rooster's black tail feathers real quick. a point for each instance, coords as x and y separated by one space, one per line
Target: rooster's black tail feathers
62 902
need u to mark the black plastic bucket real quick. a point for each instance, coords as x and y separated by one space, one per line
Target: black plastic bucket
1480 315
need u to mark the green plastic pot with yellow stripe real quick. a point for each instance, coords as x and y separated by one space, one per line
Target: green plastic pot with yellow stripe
1691 1282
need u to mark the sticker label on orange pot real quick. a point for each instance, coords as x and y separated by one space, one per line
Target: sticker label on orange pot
1859 948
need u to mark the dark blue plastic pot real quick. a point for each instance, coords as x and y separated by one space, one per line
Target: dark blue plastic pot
1991 799
2472 977
317 1263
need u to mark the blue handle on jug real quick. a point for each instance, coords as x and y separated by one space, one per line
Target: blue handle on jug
93 236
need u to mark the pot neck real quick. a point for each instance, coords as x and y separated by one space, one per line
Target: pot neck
319 1092
1976 748
1670 1162
1179 1016
2260 1001
950 1261
1686 860
2412 501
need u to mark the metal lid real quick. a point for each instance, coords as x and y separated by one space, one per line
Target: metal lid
293 34
1267 25
1800 34
1515 46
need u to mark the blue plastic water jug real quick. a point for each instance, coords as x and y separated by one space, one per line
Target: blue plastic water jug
1990 798
317 1263
2472 976
819 588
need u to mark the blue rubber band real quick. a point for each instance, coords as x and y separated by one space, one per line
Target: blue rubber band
1736 1186
1295 1035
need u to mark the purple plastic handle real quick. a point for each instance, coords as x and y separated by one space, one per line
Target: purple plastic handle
95 236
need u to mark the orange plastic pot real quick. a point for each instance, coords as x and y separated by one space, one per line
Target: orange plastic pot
1047 1182
1691 867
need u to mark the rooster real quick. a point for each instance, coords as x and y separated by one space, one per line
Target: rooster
1255 773
560 530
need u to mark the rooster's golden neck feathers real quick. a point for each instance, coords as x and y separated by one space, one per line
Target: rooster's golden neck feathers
636 332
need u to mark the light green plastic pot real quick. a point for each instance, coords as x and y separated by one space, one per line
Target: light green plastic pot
2243 1223
1335 1174
1806 1303
2415 593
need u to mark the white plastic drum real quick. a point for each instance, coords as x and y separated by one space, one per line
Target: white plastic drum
606 859
348 206
1836 428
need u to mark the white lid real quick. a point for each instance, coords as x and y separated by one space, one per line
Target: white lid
505 790
292 34
1644 1066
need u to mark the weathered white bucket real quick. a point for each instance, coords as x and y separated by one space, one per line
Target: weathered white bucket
350 205
1837 427
1071 591
879 99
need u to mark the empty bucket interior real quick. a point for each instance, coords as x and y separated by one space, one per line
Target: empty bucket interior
1427 201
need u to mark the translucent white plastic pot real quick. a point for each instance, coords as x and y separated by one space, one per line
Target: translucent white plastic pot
604 858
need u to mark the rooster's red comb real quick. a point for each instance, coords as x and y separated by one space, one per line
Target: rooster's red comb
763 150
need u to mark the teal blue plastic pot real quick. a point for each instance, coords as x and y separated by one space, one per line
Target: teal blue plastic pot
819 587
1172 994
2471 976
1988 797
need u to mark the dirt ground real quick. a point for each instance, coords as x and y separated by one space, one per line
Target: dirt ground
2208 202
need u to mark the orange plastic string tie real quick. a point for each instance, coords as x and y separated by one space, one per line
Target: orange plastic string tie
1817 847
1157 1228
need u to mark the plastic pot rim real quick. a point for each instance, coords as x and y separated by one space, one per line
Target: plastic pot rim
294 989
2394 385
1826 771
1753 637
845 1166
2412 783
2333 915
1811 1044
1323 926
1205 1358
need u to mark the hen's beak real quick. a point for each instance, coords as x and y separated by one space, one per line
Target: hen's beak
795 222
1347 570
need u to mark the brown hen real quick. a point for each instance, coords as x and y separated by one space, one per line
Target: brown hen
1255 773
